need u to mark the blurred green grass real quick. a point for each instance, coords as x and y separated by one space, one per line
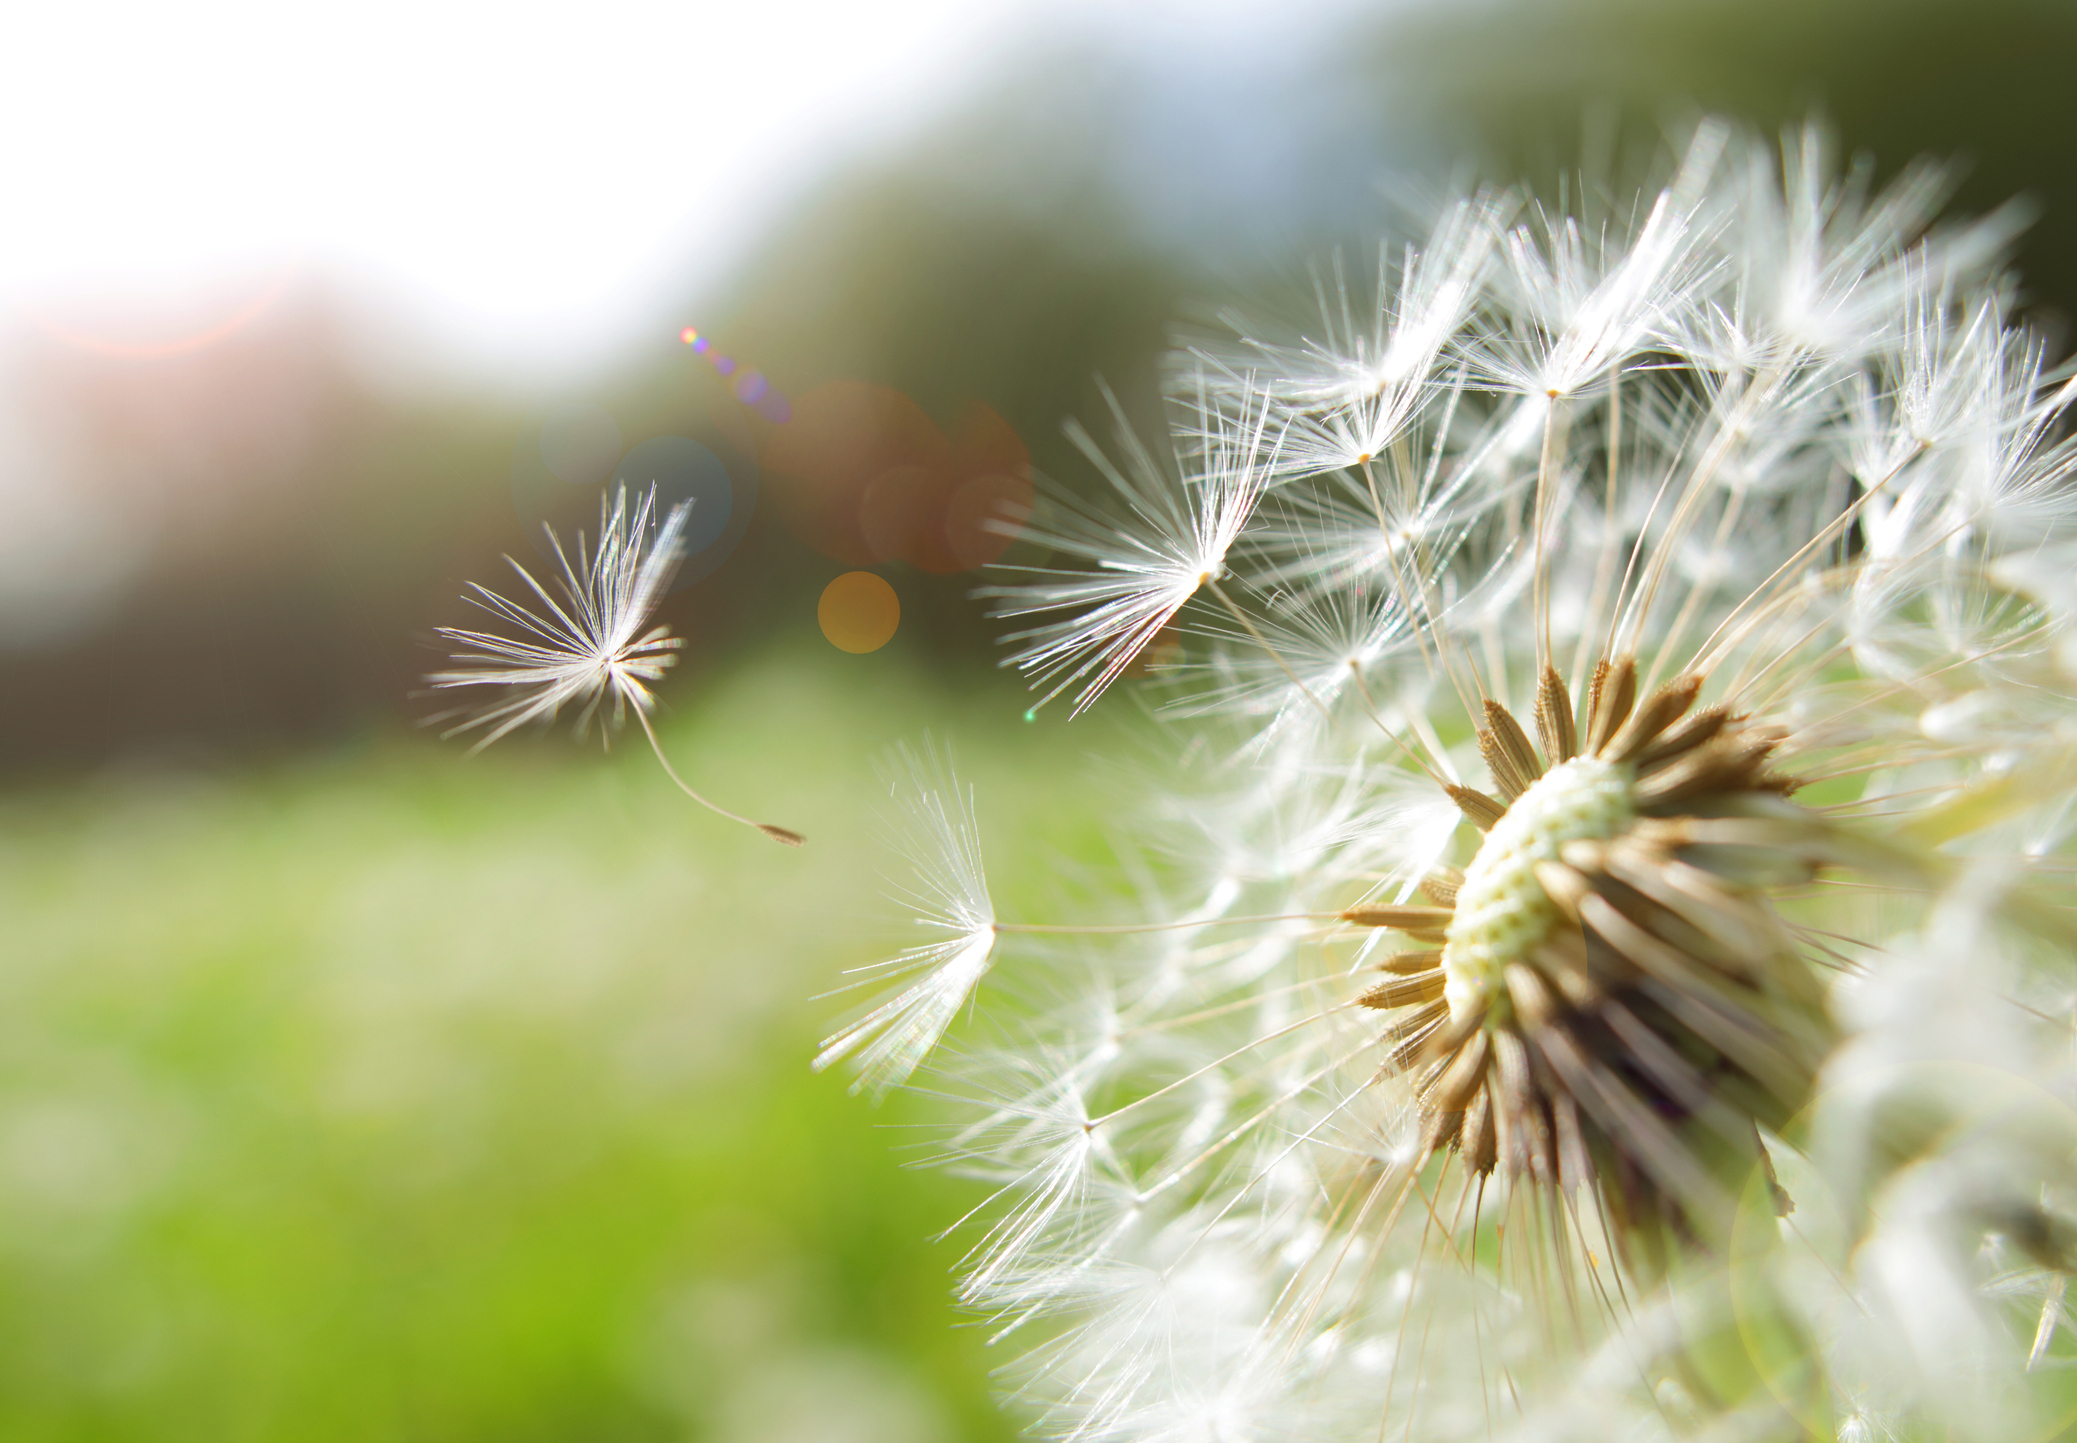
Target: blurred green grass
398 1093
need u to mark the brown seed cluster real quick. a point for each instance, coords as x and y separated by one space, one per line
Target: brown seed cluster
1635 1047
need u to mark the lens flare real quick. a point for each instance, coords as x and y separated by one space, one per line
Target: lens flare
858 612
868 478
865 476
752 387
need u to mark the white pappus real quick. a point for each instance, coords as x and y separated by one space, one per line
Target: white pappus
1601 961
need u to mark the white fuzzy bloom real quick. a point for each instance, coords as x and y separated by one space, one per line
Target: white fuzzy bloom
587 648
1628 792
934 830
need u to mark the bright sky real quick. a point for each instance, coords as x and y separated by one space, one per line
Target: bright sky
521 181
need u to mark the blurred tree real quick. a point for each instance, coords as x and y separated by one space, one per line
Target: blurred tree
1055 228
1984 84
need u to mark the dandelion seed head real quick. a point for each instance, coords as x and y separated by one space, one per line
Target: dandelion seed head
1611 901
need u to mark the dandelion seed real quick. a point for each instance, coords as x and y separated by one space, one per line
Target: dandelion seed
587 650
1150 564
1348 395
1584 305
935 832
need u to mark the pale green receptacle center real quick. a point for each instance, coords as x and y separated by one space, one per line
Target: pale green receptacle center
1502 910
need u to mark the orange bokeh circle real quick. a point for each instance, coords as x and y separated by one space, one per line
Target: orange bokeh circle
858 612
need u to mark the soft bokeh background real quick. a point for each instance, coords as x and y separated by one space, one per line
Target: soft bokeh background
354 1087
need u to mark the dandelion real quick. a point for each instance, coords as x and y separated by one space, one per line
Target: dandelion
1636 997
592 649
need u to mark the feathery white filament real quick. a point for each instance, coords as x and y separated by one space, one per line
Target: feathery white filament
589 646
1587 308
1149 564
935 831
